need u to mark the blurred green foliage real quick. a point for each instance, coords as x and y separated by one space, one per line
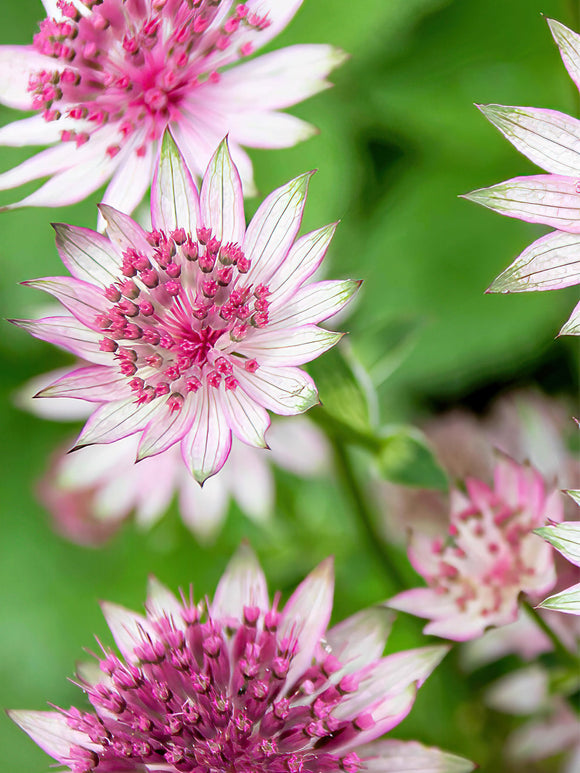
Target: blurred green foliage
399 140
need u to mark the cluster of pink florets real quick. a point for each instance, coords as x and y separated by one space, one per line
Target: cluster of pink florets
205 695
118 63
170 309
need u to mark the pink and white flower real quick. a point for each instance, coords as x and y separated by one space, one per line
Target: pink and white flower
490 555
196 328
107 77
92 492
565 537
238 684
552 141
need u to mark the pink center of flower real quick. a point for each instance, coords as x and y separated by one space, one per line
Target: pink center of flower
485 563
133 62
177 314
212 697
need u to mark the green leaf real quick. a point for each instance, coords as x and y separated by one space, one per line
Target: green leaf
406 458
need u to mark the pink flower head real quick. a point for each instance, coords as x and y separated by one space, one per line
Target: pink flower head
107 77
550 139
489 557
238 684
195 328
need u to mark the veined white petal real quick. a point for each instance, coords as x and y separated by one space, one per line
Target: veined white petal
207 444
174 197
549 263
243 584
115 420
301 262
569 45
361 638
49 729
69 334
313 303
275 80
392 756
567 601
549 199
96 383
273 229
548 138
565 537
17 64
88 255
122 230
128 628
222 201
82 299
246 418
306 614
162 602
572 326
270 129
166 428
64 409
289 346
286 391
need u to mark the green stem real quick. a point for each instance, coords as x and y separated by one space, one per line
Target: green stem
564 653
365 514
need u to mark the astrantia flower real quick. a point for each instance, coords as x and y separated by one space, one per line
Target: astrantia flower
489 557
108 76
92 492
236 684
565 537
196 328
552 141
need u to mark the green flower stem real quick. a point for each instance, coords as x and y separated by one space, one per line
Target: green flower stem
564 653
364 510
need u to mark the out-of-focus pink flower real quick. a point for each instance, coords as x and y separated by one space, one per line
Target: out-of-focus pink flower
239 684
490 555
107 77
92 492
565 537
552 141
195 329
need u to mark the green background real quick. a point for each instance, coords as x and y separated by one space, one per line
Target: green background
399 140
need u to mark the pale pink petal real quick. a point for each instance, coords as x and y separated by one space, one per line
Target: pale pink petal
97 383
243 584
270 130
63 409
572 326
174 197
161 602
312 304
569 45
549 263
306 614
524 691
49 729
298 446
130 181
567 601
273 229
548 138
459 628
166 428
286 391
276 80
207 444
82 299
252 482
117 419
69 334
222 200
17 64
203 509
393 756
128 628
289 346
301 262
246 418
36 131
424 602
88 255
549 199
361 638
47 162
122 230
